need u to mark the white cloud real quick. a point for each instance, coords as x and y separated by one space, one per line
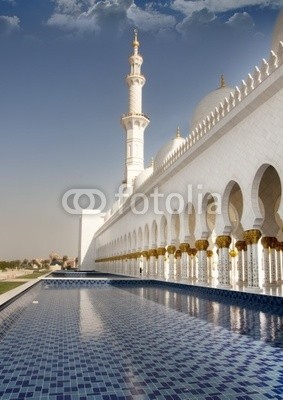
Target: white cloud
9 25
89 15
188 7
202 17
149 19
241 21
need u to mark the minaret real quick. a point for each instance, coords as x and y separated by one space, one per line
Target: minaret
135 121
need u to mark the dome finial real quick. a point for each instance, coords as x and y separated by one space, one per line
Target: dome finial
222 81
136 43
178 134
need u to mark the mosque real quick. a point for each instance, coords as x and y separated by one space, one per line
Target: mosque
209 208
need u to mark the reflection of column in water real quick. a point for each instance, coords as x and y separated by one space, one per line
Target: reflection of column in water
171 300
266 327
178 301
235 317
225 315
254 323
184 302
194 306
216 312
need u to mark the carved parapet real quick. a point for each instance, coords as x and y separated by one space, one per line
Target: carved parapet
223 241
184 247
171 249
201 245
252 236
161 251
240 245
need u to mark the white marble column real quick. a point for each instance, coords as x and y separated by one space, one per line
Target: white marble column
161 251
184 247
194 264
145 263
178 255
223 242
240 246
265 241
209 254
201 246
171 256
273 244
252 237
152 263
279 261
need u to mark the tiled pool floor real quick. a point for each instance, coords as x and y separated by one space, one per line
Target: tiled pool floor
112 343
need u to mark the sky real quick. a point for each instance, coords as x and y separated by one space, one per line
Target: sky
62 93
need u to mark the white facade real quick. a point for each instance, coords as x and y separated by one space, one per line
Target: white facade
210 207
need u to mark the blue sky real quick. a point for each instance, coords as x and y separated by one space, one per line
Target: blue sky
62 93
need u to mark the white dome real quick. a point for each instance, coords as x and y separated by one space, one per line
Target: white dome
168 149
208 104
142 177
278 32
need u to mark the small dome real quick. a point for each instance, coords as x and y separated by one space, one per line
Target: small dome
278 32
142 177
209 102
168 149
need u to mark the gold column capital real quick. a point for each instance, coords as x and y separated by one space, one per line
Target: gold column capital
209 253
273 242
252 236
178 254
240 245
171 249
265 241
161 251
202 245
194 251
145 254
223 241
152 253
184 247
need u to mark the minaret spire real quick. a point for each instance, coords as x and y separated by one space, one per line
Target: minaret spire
134 122
136 43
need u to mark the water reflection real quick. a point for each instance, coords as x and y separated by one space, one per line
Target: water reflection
91 324
261 324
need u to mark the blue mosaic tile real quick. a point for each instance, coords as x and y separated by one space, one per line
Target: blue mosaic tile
138 340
